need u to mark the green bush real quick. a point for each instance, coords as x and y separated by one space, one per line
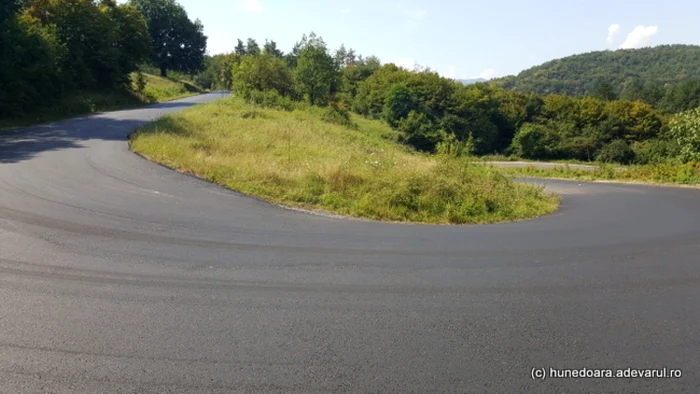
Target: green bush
685 130
617 151
271 99
337 113
419 132
261 73
654 151
398 103
536 141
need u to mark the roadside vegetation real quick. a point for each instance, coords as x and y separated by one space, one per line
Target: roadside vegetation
663 173
310 157
62 58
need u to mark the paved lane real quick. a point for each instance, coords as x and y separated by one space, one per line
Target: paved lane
120 276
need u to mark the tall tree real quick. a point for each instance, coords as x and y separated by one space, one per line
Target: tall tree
270 48
252 47
316 72
240 48
178 43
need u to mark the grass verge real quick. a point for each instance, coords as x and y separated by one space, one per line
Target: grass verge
666 173
296 158
78 103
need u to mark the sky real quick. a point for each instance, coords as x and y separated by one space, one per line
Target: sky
458 39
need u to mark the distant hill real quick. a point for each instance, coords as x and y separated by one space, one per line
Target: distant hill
471 80
582 74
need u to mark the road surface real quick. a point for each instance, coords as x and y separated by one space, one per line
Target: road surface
118 275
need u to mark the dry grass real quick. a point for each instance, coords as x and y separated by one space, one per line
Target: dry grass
296 159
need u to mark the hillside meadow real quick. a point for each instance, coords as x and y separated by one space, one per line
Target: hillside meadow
327 159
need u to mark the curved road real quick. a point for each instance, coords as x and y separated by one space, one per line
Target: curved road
120 276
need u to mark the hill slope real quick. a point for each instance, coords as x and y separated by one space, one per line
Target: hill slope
581 74
318 158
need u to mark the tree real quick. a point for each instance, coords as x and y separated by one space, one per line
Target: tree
252 47
685 130
605 92
133 39
262 73
270 48
316 72
177 42
682 97
240 48
398 103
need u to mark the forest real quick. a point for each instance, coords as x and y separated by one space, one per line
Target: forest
54 49
637 106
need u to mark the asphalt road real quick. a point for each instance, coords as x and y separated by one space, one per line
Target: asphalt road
120 276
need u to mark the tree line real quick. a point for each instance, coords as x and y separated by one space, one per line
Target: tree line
437 114
625 70
53 47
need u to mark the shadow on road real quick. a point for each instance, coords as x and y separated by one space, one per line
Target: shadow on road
21 144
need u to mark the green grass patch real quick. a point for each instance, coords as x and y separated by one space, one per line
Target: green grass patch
78 103
299 158
662 173
159 89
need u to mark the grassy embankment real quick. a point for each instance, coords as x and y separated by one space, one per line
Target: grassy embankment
664 173
302 159
157 90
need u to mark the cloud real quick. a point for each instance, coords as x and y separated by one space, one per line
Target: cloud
639 37
612 31
451 72
251 6
489 74
346 10
406 62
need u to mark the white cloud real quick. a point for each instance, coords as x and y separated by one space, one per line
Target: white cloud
489 74
346 10
251 6
451 72
612 31
639 37
406 62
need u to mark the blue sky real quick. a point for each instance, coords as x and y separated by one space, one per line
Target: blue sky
459 39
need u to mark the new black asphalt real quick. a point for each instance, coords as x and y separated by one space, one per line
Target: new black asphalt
118 275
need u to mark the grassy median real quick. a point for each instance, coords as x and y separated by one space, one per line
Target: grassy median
296 158
661 174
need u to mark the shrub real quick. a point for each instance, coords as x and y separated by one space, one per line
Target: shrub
419 132
271 99
261 73
140 82
685 131
617 151
654 151
536 141
337 113
398 103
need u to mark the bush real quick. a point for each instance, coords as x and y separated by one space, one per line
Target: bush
398 103
419 132
617 151
654 151
337 113
685 130
536 141
271 99
261 73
